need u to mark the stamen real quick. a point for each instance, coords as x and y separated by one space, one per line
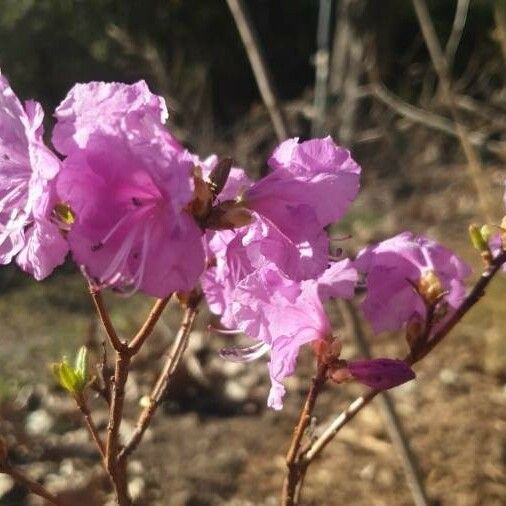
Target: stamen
242 355
226 332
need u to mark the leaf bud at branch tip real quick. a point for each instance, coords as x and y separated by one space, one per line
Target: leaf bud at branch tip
73 378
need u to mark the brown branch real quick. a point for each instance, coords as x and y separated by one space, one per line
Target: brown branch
295 472
30 484
441 66
116 471
434 121
256 58
148 326
162 383
96 295
474 296
90 424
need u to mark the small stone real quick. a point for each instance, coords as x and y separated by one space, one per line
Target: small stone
135 467
448 377
39 422
386 477
136 488
6 484
368 472
235 391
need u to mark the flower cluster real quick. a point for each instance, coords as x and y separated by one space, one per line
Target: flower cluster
138 211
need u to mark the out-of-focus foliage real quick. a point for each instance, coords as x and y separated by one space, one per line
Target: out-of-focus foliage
189 50
184 48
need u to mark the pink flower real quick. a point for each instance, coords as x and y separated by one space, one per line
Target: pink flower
312 185
27 172
131 229
393 267
105 107
283 315
381 373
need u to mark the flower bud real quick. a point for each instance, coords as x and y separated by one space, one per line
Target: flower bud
430 287
340 374
381 373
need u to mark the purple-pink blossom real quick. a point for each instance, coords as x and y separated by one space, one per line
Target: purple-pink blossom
312 184
27 173
132 230
283 315
105 107
393 269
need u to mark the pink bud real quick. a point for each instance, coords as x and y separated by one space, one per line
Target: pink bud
381 373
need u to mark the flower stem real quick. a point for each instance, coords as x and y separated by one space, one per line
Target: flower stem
295 467
162 383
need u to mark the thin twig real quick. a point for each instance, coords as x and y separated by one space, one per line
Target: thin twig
441 66
459 22
116 470
256 58
340 47
162 383
321 67
474 296
30 484
393 422
90 424
96 295
500 26
148 326
294 469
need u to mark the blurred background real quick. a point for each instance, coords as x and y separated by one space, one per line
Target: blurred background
360 71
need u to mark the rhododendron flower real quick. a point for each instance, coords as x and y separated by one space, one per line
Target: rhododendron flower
131 228
27 172
283 315
311 185
107 107
395 266
381 373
